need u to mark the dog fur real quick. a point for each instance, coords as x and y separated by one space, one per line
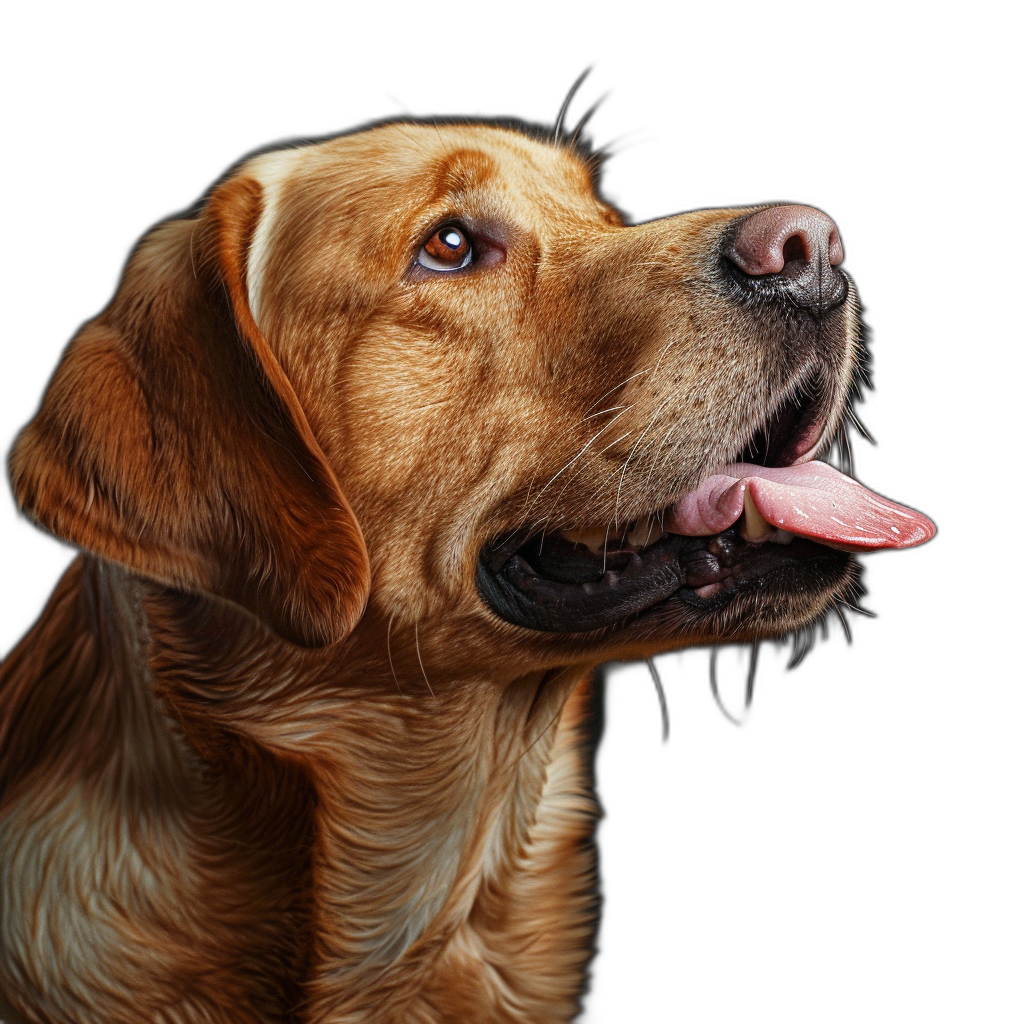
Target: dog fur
267 756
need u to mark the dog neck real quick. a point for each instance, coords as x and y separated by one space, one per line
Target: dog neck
369 839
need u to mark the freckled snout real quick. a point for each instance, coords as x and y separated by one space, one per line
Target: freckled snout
790 250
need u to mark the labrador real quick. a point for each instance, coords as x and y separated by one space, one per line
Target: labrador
372 459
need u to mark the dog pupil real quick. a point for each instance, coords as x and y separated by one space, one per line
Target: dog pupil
452 239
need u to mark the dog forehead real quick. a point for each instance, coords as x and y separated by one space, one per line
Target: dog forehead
403 166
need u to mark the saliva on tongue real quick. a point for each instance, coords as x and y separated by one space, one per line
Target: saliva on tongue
811 500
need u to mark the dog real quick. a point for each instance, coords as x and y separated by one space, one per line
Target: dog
373 459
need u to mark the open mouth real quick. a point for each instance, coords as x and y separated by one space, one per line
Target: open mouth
772 520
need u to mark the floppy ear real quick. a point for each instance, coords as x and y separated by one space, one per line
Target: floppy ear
171 441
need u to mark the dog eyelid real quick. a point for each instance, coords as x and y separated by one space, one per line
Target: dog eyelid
448 248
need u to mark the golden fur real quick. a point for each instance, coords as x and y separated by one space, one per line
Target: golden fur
267 756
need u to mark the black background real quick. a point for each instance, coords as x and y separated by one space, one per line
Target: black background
784 845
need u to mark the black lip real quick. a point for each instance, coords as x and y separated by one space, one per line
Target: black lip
553 586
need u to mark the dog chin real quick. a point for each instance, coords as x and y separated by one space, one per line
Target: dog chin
778 605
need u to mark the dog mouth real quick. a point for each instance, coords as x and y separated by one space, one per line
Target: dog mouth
773 520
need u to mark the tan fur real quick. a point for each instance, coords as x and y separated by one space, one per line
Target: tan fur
266 756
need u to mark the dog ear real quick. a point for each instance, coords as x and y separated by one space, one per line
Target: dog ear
171 441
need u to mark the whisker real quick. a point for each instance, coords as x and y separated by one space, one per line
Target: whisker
622 383
662 700
390 662
866 612
652 463
564 109
582 122
796 646
580 453
860 428
803 641
543 732
750 685
611 444
622 475
845 624
614 408
664 351
420 658
714 689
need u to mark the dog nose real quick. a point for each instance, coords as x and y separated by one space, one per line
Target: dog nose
793 248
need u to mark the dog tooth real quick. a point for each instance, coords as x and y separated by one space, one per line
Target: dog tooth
754 528
781 537
593 537
644 534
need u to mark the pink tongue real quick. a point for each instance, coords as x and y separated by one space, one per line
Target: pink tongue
812 499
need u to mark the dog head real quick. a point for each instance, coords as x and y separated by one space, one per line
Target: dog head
431 355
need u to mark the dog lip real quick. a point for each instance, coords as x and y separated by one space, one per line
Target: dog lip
552 586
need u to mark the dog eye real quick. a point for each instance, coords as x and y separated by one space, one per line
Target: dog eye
448 248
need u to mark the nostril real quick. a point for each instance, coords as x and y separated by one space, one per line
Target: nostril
794 249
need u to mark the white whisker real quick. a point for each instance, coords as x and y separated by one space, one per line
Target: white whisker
390 662
580 453
614 408
420 658
632 376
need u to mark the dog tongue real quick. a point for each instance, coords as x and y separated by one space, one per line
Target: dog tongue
812 499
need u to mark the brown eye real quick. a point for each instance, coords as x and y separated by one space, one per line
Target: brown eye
448 248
